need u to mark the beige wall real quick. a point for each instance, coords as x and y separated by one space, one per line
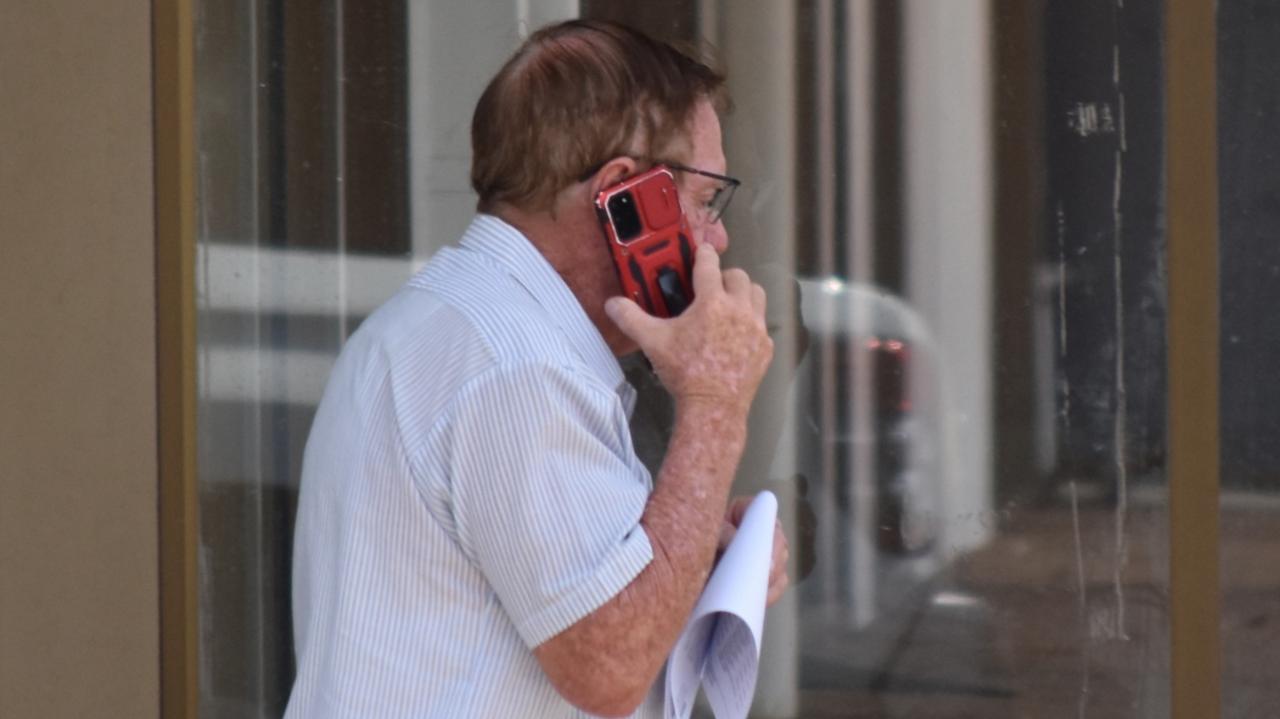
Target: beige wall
78 561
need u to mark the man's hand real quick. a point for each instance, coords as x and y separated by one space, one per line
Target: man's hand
711 359
778 577
718 349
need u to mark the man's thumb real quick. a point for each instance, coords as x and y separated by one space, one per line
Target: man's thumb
627 315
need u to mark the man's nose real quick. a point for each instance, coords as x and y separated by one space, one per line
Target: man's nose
717 236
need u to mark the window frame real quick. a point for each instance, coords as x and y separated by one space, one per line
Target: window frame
1191 156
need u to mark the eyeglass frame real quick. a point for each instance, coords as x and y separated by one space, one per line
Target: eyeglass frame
726 190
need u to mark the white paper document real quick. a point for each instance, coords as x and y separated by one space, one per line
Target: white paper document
720 646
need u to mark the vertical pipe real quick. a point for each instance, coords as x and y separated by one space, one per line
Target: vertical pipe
857 206
826 165
340 149
823 189
858 145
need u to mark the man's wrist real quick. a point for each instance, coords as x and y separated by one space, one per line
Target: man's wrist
730 412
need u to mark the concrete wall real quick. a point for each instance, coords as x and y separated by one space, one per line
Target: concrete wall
78 554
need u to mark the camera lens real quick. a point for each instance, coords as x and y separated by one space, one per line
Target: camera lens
625 217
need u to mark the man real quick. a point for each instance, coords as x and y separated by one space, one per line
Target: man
475 535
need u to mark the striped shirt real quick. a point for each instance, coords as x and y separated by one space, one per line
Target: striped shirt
469 490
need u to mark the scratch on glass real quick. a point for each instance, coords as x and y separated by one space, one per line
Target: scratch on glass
1121 427
1082 599
1062 315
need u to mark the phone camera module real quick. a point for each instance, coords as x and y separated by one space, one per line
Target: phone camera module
625 216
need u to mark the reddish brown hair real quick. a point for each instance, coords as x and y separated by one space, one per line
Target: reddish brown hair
577 94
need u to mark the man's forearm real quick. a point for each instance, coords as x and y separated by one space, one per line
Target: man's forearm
610 658
686 511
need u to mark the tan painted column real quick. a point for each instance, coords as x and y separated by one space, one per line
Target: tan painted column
1195 605
78 548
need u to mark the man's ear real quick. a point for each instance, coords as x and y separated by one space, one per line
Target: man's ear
611 173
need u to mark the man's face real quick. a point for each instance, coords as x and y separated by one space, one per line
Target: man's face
597 279
707 153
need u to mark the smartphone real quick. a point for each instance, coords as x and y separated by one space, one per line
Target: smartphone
649 240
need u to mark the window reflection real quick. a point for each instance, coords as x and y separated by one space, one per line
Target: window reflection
957 210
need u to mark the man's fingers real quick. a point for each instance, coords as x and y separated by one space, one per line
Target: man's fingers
779 579
777 589
633 321
759 300
736 282
781 547
706 271
727 533
738 509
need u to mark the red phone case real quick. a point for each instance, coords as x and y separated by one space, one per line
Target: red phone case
654 256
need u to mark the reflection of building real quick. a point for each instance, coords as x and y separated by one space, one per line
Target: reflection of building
311 212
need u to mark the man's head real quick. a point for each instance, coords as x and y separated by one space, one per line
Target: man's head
575 95
580 106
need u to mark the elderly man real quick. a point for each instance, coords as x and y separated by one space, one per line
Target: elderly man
476 536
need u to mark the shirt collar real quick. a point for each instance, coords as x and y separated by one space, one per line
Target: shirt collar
494 238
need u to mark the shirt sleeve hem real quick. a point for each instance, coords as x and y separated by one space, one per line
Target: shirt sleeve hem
619 570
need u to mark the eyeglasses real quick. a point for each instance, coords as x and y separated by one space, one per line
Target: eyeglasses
713 209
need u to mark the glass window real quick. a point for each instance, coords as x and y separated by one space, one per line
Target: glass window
304 227
1249 267
958 211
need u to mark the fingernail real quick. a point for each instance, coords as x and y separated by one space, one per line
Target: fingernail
611 306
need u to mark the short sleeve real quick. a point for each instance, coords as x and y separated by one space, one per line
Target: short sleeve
547 493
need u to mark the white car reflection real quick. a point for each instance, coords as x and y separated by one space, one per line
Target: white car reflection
867 434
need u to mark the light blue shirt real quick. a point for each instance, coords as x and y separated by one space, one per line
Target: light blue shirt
469 490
